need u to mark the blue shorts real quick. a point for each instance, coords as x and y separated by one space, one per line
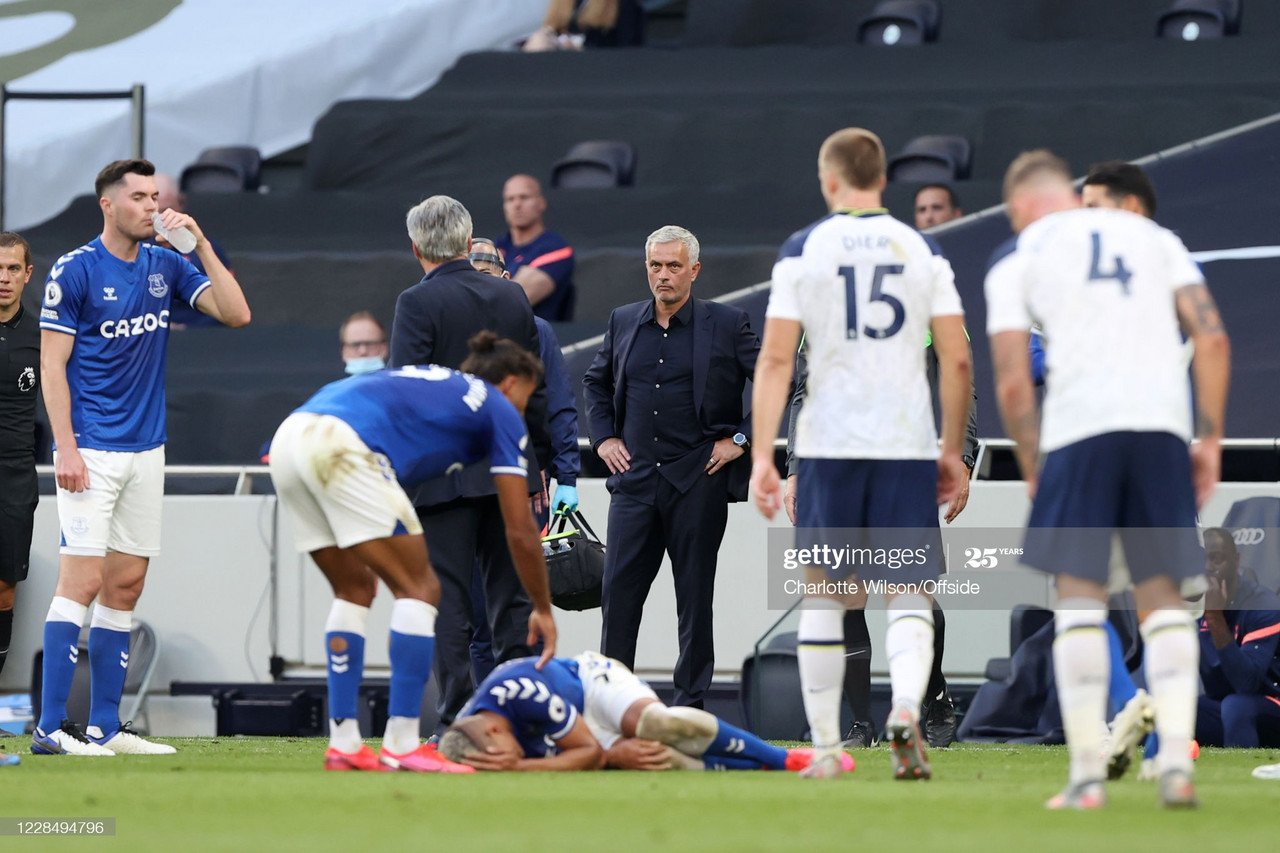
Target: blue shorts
1137 484
852 503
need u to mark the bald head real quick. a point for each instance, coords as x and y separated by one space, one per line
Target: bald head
523 206
1036 184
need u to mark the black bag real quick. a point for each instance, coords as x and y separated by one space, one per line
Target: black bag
575 563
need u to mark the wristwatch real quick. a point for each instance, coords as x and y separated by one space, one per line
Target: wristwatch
741 440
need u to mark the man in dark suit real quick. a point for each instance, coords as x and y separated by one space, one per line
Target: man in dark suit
459 511
664 405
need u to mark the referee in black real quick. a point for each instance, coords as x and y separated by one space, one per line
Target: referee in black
19 386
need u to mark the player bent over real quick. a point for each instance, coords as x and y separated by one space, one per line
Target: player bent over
335 462
589 712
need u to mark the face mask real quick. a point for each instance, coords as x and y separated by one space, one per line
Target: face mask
368 364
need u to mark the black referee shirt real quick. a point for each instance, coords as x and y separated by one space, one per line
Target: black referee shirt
19 386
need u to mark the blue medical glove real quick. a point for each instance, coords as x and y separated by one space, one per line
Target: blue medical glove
566 498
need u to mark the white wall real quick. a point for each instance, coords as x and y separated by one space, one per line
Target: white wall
206 594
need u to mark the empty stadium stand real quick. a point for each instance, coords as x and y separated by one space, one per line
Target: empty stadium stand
725 123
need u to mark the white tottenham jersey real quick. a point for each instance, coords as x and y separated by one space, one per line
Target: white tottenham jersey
865 287
1100 284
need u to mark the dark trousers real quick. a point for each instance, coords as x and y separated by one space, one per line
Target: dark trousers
464 536
857 662
689 528
482 662
1240 719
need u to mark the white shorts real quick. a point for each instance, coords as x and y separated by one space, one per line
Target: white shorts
336 490
120 511
608 689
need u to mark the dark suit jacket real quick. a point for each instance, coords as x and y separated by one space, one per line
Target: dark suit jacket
724 358
434 320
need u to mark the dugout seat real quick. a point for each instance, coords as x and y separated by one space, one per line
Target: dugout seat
1025 620
595 164
1255 527
231 168
901 22
1194 20
933 158
772 702
144 652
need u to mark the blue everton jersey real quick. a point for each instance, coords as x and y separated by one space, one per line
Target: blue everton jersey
119 314
428 420
542 706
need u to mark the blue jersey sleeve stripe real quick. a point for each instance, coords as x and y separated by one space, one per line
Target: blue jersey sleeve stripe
508 469
199 290
53 327
573 718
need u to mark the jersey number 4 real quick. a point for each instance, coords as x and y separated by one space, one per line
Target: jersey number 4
877 295
1118 272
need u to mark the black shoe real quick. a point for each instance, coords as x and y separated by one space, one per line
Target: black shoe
861 736
939 721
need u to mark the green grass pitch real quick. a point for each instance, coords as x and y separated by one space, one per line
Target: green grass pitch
270 794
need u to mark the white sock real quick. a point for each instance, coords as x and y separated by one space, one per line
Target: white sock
65 610
346 616
820 654
1172 660
345 735
401 735
112 620
1082 669
908 643
411 616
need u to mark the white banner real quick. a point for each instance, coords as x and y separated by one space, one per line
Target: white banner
217 72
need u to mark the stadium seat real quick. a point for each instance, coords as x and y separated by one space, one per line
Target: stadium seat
232 168
1193 20
595 164
901 22
932 158
1025 620
772 702
144 652
1255 526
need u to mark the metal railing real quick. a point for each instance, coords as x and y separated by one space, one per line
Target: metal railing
138 116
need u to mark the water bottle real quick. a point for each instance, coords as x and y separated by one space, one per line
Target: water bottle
546 549
181 239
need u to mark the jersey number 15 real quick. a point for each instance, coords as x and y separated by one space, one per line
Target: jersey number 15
877 295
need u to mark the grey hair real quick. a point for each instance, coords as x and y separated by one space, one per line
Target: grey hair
454 744
674 234
440 227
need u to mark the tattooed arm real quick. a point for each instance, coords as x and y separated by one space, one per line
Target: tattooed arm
1211 373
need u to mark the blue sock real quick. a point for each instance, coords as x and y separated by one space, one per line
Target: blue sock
1152 747
345 654
1122 688
108 665
61 652
735 743
410 668
720 762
